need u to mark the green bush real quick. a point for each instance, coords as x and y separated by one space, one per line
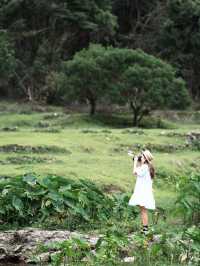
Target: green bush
29 198
170 249
188 200
109 248
195 144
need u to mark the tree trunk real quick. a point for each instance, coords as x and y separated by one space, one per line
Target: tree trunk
92 106
135 114
29 94
135 119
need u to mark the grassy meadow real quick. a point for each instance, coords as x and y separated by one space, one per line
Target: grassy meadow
79 146
70 144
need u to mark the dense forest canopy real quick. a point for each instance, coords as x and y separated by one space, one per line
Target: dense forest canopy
36 36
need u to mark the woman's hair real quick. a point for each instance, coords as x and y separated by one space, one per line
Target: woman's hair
151 169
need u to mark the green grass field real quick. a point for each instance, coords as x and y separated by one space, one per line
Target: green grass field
96 148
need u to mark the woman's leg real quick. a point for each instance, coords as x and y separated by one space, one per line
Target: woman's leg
144 215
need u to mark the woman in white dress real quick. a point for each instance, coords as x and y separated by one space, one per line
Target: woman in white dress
143 193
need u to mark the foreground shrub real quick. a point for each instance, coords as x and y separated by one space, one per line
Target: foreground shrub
188 200
29 198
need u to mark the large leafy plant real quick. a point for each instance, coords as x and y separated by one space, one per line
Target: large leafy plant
58 200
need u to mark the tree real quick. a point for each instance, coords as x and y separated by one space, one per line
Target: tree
84 79
147 88
180 41
145 82
7 61
124 76
48 31
139 23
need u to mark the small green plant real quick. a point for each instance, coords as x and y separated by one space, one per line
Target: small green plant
120 204
66 252
110 247
72 250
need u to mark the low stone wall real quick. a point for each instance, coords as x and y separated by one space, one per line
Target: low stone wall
18 246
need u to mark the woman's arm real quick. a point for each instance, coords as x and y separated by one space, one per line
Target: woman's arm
141 170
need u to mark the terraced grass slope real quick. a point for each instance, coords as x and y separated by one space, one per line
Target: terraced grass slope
54 140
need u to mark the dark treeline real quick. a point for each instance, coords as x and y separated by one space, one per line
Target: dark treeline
36 36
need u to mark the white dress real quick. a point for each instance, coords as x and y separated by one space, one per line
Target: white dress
143 194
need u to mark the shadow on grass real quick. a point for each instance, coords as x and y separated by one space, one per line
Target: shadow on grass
112 121
125 120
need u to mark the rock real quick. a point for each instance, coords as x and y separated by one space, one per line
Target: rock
129 259
21 245
93 240
192 136
156 238
3 251
18 248
44 257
